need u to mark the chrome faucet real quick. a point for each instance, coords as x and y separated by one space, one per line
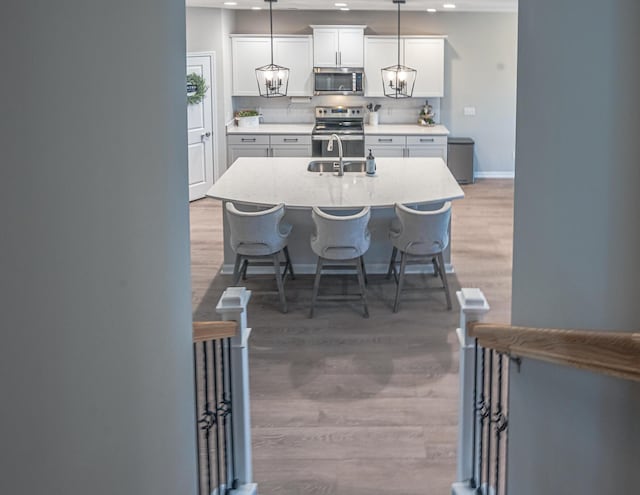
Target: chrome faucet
330 148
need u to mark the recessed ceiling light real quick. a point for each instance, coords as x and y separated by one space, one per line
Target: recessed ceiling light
231 3
340 4
344 8
449 6
256 8
432 10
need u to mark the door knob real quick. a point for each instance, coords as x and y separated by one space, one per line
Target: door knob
205 135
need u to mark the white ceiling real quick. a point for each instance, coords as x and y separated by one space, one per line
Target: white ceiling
420 5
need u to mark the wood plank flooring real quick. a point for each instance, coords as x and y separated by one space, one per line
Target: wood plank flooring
346 405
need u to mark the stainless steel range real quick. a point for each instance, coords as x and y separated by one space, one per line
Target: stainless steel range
347 123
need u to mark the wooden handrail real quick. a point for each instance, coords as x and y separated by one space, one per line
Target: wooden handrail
612 353
203 331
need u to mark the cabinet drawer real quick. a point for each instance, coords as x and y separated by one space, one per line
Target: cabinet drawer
279 139
384 140
423 140
261 139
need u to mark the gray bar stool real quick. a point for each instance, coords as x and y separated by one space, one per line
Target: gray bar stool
420 236
340 240
260 235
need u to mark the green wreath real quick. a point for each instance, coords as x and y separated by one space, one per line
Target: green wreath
196 88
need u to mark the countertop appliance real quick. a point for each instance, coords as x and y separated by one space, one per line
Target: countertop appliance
347 123
338 81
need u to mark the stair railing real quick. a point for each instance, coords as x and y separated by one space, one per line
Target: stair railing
221 370
486 351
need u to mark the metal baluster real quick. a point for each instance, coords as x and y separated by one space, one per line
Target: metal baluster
481 411
195 384
498 423
474 443
207 412
216 395
490 393
234 484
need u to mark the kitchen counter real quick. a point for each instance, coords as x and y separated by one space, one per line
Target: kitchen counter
257 182
406 130
269 181
388 129
272 129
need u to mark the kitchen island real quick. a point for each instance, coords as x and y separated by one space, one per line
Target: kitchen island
258 182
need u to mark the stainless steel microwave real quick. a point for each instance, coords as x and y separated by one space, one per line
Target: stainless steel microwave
338 81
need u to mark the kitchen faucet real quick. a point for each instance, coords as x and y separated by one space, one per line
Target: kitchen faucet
330 148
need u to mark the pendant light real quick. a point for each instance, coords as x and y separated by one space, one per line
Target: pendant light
398 80
273 80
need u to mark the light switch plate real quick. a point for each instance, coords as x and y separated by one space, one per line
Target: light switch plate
470 111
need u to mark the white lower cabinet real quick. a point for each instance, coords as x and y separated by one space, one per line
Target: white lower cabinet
407 146
265 145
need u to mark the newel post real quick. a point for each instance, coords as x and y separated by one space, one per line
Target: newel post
473 307
232 306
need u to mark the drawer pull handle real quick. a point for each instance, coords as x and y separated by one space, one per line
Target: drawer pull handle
248 140
291 140
426 140
385 140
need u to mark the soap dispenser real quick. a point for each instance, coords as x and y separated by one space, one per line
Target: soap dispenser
371 164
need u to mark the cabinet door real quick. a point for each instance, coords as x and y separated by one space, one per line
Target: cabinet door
248 54
434 151
378 54
325 47
291 150
426 55
387 151
297 55
351 47
235 151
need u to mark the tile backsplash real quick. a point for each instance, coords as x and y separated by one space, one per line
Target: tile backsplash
284 111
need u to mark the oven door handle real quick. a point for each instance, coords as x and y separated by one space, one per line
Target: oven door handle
326 137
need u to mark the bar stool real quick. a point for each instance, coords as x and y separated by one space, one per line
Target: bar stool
340 240
260 235
419 236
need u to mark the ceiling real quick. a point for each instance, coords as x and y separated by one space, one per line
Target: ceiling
419 5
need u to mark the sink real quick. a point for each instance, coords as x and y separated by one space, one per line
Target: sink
320 166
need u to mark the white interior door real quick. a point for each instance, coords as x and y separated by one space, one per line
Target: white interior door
200 129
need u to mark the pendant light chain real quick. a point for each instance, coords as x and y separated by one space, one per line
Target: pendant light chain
271 28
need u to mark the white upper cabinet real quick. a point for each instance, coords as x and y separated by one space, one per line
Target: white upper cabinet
296 53
378 53
251 52
425 54
338 46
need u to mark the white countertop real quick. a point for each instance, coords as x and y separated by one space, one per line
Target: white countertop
399 129
270 181
406 130
272 129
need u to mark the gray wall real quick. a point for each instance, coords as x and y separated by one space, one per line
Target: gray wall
577 239
95 360
208 30
480 68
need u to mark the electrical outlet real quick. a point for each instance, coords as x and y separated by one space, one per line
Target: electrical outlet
470 111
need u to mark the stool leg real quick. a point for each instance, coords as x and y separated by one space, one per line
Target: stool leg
245 265
436 273
394 253
279 282
443 276
316 286
289 264
236 270
361 282
364 271
403 264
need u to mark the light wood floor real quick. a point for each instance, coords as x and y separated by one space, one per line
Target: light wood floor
346 405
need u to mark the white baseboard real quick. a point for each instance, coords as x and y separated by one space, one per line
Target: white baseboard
462 488
495 175
248 489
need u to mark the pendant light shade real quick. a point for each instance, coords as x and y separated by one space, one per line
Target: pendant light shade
398 80
273 80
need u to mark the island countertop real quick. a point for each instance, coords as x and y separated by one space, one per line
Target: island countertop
270 181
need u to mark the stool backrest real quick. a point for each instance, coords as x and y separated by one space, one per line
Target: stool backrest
423 232
340 237
255 232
